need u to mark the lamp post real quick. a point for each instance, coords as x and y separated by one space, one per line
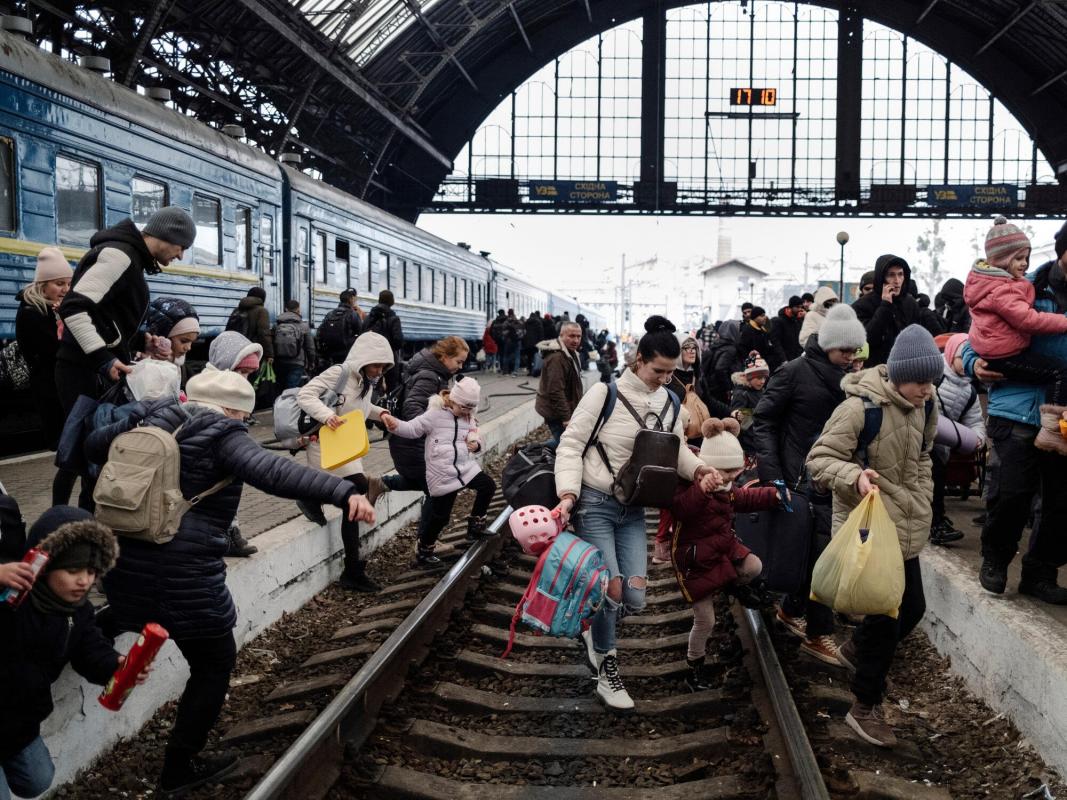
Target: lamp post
842 239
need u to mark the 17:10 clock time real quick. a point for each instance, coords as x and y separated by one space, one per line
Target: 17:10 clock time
748 96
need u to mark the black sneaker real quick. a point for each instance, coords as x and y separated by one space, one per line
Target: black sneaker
312 512
698 679
357 580
942 533
236 545
176 781
753 595
980 519
426 558
993 576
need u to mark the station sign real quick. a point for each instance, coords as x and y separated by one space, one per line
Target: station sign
997 195
575 191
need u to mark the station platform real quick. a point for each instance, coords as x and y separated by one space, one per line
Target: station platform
29 478
1010 649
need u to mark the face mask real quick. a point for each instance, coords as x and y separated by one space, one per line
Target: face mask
374 381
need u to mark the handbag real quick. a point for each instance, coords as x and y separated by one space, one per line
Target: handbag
650 476
14 371
698 412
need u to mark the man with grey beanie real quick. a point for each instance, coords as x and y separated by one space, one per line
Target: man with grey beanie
108 299
898 397
789 417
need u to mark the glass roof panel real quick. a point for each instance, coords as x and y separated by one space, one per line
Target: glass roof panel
362 26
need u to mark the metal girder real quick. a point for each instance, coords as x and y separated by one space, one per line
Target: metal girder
144 36
1059 76
1018 15
346 80
435 37
926 11
588 10
518 23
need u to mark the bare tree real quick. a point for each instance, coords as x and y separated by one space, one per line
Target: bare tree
932 245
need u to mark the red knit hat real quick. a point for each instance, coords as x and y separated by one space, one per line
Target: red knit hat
1003 241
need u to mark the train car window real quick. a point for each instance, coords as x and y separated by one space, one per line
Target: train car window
426 285
146 198
266 244
341 275
411 280
480 307
7 184
242 234
364 269
319 256
384 276
207 215
455 290
77 200
302 255
439 287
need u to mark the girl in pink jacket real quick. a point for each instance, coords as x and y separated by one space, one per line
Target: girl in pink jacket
1001 301
452 439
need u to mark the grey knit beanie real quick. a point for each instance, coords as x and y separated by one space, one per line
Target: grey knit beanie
914 357
841 329
172 224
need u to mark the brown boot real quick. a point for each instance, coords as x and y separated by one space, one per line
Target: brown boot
375 489
1049 437
869 724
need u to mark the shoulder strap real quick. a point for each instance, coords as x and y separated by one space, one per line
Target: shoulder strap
927 410
674 401
341 381
872 423
970 401
605 413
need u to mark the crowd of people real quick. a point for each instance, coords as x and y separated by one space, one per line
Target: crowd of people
760 412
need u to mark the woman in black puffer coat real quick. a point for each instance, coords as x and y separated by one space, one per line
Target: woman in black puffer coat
182 584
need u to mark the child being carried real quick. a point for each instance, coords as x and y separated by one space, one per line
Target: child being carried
1001 301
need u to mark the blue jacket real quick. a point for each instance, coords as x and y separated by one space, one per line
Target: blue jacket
182 584
1021 402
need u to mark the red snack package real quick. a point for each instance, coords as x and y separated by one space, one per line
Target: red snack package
36 559
140 656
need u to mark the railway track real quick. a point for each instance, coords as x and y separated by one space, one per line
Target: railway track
434 713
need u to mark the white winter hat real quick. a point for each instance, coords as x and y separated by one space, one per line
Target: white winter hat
52 265
466 392
222 389
841 330
720 448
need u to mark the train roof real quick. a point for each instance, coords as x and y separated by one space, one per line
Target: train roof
331 194
25 60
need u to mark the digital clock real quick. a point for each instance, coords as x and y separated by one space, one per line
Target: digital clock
748 96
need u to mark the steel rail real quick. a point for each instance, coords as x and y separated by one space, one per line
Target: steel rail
312 763
805 768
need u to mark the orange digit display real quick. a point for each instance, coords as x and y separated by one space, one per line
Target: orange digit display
749 96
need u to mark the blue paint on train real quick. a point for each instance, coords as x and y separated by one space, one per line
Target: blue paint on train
259 223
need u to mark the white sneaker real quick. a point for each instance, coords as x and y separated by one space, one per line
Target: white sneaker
609 686
594 658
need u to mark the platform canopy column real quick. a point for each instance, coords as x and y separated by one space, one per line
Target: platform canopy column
653 87
849 101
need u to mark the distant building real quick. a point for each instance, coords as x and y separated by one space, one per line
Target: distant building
728 284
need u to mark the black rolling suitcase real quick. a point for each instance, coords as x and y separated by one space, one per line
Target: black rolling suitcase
782 540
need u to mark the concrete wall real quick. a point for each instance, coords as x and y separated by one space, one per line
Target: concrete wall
295 561
1010 656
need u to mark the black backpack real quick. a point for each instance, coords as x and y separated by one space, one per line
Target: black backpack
335 332
529 477
288 340
238 321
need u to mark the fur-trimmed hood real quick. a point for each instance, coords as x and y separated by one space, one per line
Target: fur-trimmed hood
99 537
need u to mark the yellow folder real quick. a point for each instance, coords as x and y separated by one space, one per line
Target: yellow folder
345 444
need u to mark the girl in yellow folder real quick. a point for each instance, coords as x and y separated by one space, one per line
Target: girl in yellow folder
367 360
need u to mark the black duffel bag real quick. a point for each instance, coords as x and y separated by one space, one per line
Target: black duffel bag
529 477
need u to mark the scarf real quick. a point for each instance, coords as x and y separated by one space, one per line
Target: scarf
48 602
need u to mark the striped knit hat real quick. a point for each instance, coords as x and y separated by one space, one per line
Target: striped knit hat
1003 241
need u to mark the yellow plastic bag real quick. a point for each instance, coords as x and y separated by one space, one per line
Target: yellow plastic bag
854 576
347 443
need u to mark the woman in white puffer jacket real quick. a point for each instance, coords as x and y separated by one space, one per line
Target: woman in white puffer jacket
825 299
584 487
367 360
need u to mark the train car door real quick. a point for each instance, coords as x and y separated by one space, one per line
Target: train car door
302 277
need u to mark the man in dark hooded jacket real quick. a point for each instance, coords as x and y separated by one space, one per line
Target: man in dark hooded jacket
252 320
889 309
951 311
109 297
785 329
722 361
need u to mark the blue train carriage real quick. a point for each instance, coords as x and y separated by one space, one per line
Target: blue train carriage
79 152
334 241
512 289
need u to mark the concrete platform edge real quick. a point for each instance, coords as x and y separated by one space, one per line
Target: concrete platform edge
1009 653
296 560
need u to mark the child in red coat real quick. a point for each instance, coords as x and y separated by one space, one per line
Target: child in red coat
706 554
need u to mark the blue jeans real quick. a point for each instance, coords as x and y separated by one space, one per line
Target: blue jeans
289 375
555 427
619 533
27 774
